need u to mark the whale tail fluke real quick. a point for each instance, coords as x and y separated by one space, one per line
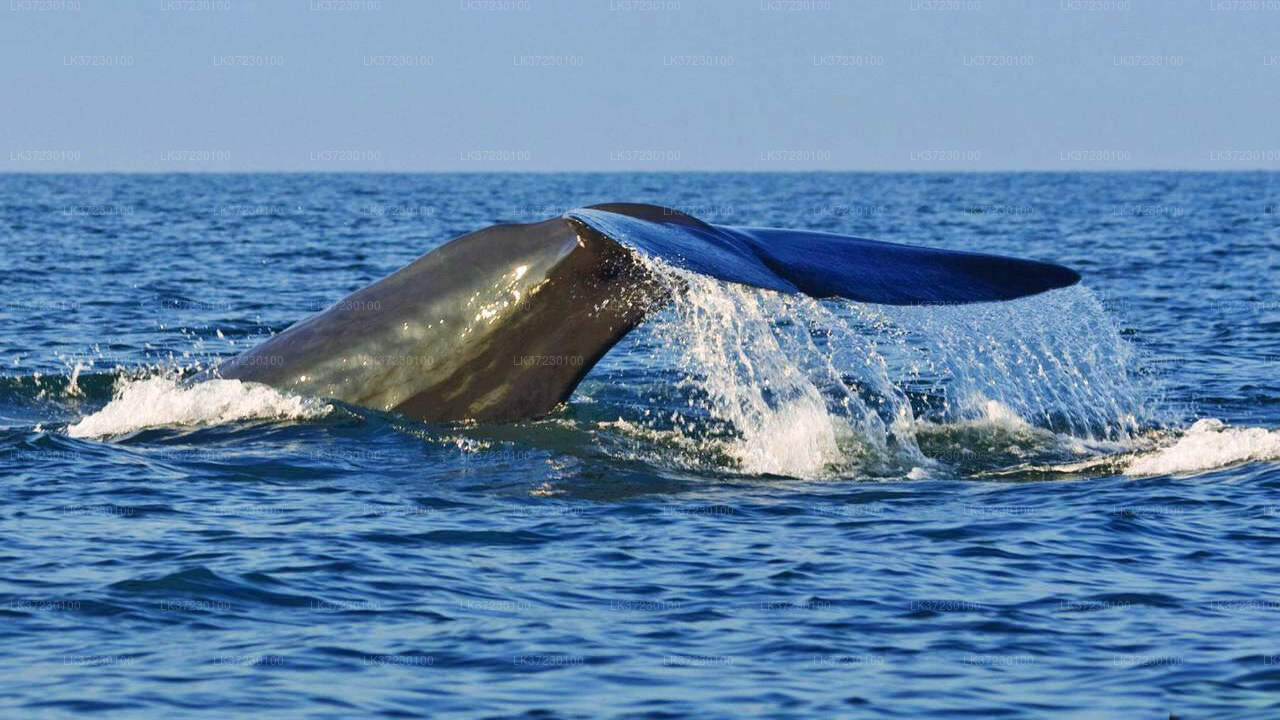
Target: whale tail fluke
823 264
503 323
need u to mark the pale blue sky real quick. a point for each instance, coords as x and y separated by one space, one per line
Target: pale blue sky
215 85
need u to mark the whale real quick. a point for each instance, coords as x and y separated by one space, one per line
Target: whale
501 324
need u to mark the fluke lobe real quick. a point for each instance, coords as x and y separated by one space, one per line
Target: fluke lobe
503 323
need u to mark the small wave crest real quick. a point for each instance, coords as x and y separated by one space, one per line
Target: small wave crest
163 401
1206 445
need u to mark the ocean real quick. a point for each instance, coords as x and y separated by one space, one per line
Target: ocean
755 505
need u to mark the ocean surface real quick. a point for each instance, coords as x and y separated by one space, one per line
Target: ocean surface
756 505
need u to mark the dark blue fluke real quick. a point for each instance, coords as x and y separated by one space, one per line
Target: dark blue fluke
823 264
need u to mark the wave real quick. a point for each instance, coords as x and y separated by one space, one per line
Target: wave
140 403
1207 445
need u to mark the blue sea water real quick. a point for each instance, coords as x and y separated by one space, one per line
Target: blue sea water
1064 506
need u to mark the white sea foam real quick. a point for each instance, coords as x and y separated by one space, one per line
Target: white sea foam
162 401
1206 445
798 439
995 412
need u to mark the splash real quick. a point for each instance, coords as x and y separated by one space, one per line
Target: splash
73 385
163 401
742 370
811 388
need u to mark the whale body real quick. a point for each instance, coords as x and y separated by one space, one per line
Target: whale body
502 324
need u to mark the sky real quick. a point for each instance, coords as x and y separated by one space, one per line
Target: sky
618 85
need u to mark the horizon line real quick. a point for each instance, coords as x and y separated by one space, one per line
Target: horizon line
642 171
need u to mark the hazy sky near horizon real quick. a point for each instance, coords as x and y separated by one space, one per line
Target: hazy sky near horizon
500 85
